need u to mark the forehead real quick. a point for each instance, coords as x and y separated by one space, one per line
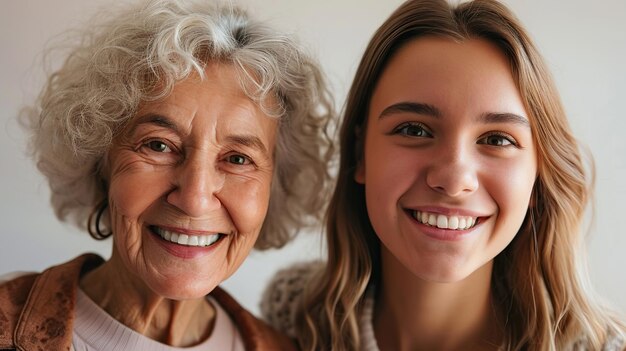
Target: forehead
234 77
219 93
207 110
450 74
439 55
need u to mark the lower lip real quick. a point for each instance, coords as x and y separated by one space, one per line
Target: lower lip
183 251
443 234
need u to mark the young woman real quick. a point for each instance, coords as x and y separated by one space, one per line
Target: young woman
455 223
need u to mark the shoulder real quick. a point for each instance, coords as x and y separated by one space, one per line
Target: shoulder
283 295
14 292
615 342
33 300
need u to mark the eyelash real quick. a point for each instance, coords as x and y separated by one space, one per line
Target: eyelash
402 130
505 136
248 161
147 143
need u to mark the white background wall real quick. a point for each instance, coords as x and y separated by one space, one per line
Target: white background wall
584 43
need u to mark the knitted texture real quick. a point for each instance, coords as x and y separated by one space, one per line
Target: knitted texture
283 295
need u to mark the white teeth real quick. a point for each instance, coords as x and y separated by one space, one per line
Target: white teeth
442 222
424 217
432 220
202 240
445 222
187 240
453 222
462 222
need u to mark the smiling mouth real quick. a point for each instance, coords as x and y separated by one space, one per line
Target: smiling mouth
445 222
186 240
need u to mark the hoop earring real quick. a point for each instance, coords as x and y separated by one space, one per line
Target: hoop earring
94 230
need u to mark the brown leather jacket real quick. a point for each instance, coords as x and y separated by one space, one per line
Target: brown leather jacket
37 311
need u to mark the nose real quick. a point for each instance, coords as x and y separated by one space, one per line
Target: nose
453 172
197 182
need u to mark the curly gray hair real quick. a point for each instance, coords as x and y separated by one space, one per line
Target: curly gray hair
138 55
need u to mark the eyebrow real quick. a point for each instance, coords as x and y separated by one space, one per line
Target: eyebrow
248 141
430 110
153 118
412 107
505 117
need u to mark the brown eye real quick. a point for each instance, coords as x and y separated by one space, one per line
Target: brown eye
238 159
158 146
497 140
412 130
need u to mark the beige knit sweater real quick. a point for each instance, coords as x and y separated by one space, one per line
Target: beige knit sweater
283 294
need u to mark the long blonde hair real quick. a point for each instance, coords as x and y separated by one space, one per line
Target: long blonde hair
538 275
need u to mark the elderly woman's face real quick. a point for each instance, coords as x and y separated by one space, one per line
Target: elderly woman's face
189 184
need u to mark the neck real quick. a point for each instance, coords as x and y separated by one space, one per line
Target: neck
127 299
413 314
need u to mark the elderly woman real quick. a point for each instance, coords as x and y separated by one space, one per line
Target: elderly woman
189 133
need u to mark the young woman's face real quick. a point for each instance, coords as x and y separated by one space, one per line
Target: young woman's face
449 162
189 185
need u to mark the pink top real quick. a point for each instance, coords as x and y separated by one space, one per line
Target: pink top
95 330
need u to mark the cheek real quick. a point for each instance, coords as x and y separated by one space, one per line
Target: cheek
134 186
131 193
390 174
388 170
128 196
521 179
246 201
511 188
